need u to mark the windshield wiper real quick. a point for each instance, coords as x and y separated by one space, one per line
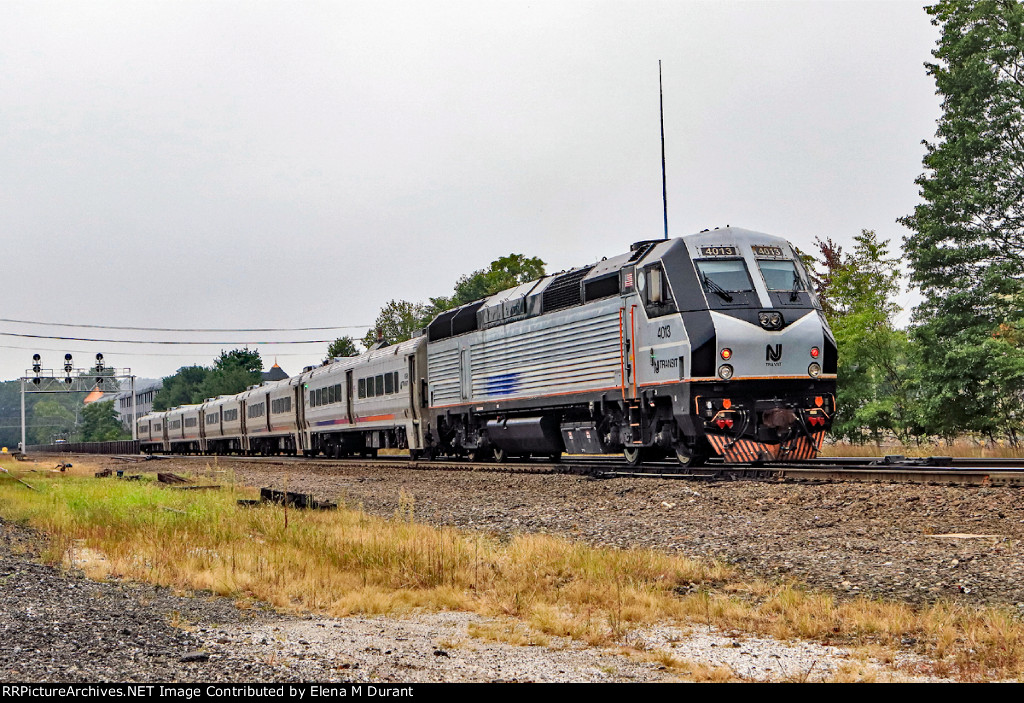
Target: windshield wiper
797 287
715 288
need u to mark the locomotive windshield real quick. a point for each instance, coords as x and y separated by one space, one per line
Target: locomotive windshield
724 275
781 275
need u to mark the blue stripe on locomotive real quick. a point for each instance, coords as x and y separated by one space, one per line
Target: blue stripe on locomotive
502 384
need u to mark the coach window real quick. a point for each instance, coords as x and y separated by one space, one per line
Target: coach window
380 385
362 388
330 394
337 391
389 383
370 387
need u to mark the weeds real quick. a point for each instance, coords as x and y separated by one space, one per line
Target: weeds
538 589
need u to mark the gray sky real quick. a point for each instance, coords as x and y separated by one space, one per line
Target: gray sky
298 164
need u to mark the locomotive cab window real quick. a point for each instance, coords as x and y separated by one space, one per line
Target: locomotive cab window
730 275
786 285
657 295
726 282
781 275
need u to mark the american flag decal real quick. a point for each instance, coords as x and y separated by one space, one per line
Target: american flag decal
627 282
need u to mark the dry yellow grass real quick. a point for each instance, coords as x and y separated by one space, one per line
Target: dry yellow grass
959 448
534 588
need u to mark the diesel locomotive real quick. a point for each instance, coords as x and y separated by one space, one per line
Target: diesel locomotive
711 344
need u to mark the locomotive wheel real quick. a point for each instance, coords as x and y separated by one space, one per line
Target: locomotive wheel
688 457
633 455
499 455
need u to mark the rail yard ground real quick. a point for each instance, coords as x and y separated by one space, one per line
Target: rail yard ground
709 581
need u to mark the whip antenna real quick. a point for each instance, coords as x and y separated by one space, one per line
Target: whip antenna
661 111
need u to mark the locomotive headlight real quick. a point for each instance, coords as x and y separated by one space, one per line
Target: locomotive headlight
815 352
814 369
726 354
725 372
776 319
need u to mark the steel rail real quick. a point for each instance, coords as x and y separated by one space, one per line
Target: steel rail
949 471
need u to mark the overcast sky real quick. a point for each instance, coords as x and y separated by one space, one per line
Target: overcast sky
298 164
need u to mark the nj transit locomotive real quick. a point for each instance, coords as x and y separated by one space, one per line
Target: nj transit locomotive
709 344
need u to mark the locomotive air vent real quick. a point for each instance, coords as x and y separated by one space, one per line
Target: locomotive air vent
564 291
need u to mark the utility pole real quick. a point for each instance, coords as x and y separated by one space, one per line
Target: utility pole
661 112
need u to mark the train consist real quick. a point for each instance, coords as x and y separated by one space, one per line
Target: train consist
708 344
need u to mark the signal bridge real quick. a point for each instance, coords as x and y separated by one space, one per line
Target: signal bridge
75 380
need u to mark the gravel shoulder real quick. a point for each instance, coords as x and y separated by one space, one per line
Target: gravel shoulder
907 542
898 542
58 626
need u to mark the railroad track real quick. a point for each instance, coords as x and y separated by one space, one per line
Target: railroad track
891 469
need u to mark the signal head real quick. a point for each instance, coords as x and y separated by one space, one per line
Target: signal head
67 357
36 358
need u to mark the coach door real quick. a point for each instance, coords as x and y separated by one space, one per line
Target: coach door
348 397
300 417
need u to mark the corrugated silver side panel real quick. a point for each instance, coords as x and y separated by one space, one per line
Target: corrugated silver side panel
443 376
563 356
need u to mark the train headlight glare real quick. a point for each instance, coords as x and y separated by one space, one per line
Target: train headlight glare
725 372
814 370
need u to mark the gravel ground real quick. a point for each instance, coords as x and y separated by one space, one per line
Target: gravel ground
59 627
908 542
904 542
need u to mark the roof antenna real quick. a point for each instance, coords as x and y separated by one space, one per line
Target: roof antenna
661 110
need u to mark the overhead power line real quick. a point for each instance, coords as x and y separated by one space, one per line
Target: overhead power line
176 342
133 353
189 329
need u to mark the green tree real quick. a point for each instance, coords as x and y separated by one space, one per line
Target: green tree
503 273
397 321
180 387
51 419
232 372
876 384
342 346
99 423
966 247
